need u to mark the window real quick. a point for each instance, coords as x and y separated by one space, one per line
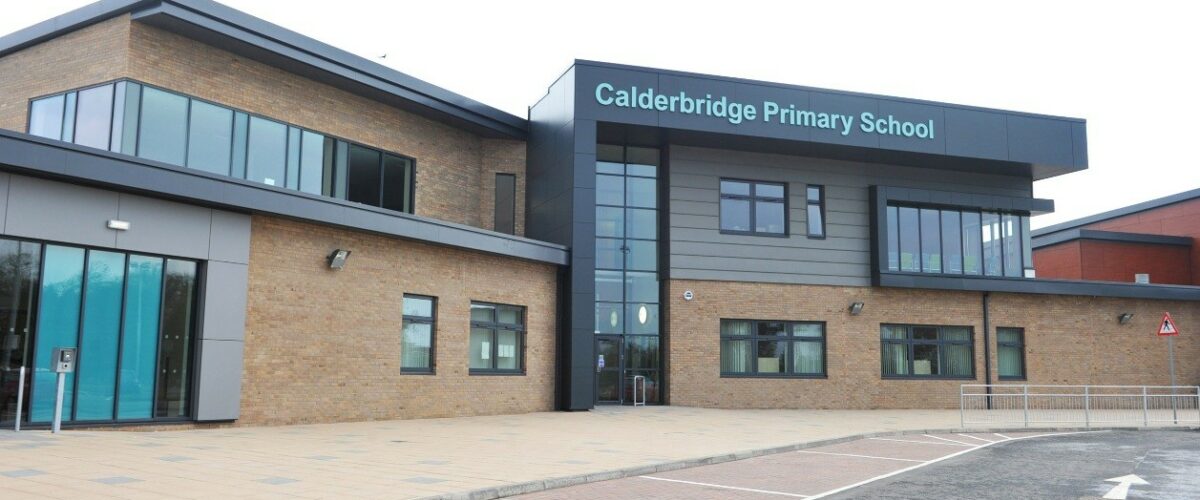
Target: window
816 211
505 204
912 351
160 125
942 241
497 338
758 208
772 348
1010 351
416 337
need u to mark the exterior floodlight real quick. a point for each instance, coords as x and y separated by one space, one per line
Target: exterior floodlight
337 259
1125 318
856 308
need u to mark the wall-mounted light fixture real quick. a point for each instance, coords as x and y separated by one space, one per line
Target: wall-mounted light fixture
856 308
1125 318
118 225
337 259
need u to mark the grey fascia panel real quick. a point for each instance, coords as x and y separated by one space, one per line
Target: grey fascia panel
981 201
1120 212
44 157
219 384
1092 234
1042 286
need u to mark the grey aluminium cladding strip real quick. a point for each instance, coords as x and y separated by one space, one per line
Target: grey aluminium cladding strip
1043 286
1120 212
1119 237
282 42
23 153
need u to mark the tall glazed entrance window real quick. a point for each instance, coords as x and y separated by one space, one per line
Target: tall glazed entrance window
131 316
627 286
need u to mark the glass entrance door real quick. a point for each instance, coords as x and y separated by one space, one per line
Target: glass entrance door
609 367
19 267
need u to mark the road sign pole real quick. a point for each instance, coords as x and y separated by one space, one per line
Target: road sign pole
1171 364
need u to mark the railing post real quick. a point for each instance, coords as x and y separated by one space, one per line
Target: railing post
20 398
1026 392
1087 406
962 419
1145 408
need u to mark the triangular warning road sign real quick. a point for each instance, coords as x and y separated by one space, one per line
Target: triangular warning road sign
1167 328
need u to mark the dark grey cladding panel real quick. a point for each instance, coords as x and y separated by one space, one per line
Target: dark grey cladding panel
915 113
1043 286
721 92
1079 141
975 133
848 105
587 78
56 159
1040 140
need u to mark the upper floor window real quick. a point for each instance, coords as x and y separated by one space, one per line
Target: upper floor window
815 204
749 207
497 338
927 351
965 242
155 124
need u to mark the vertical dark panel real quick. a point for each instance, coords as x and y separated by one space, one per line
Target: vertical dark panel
396 182
175 353
506 203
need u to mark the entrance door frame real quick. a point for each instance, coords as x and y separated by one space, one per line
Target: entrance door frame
617 365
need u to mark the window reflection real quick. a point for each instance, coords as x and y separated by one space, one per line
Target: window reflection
942 241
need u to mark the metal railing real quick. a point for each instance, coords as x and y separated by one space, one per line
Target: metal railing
1015 405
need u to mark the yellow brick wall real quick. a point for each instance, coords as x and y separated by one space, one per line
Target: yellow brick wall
324 345
1070 340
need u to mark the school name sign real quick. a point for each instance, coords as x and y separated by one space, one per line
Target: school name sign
768 111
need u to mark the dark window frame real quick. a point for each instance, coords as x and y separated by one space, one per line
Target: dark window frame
495 326
753 198
1022 218
910 343
808 202
790 369
428 320
1019 345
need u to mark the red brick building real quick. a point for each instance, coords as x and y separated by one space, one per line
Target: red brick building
1155 238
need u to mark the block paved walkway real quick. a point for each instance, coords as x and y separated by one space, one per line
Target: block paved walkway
409 458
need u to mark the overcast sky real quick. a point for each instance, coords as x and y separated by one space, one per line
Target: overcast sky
1128 68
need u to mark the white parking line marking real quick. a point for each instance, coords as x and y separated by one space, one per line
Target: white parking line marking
973 437
767 492
936 460
859 456
949 440
920 442
1001 435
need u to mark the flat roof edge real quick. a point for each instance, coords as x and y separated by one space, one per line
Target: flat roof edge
30 155
1044 287
1069 235
1119 212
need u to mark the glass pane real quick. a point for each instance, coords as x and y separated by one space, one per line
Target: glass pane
174 356
641 192
643 352
813 330
772 356
241 122
397 180
19 266
925 360
68 133
814 193
1011 225
129 119
1008 336
951 242
118 116
610 222
363 180
643 319
1010 361
735 187
643 223
958 361
641 157
46 117
931 241
293 159
736 327
972 243
93 118
481 348
1026 244
483 312
266 156
641 287
609 254
735 356
895 359
608 318
416 345
768 217
162 131
608 286
807 358
894 332
610 153
210 138
509 315
816 221
312 161
992 250
735 215
910 242
956 333
893 231
643 255
925 333
58 326
772 328
96 372
418 306
139 342
608 167
641 170
610 190
768 190
508 350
